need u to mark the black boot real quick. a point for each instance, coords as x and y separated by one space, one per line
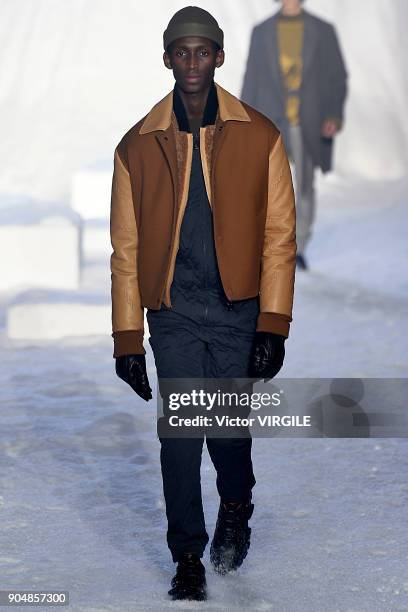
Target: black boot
189 581
231 540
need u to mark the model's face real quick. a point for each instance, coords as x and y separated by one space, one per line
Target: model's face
193 60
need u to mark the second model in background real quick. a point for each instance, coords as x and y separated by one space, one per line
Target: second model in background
296 76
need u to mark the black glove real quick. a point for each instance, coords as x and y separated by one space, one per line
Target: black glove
268 353
132 369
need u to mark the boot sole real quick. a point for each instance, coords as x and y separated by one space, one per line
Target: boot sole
191 594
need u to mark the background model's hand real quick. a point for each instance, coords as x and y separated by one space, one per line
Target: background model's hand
268 353
330 128
132 369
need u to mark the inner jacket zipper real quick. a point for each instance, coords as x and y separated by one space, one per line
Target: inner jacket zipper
196 142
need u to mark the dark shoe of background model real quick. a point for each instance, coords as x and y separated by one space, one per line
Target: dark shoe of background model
231 540
301 262
189 581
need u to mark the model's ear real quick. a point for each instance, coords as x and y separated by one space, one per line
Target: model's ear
167 60
219 60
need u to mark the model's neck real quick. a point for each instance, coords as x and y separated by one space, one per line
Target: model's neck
194 103
291 10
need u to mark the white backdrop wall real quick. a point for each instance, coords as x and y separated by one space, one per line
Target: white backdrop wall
74 76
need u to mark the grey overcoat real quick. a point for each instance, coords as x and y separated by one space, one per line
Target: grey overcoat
324 82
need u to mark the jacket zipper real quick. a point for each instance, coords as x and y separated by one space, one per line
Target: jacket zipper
205 284
197 147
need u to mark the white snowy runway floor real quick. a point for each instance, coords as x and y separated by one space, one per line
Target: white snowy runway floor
81 503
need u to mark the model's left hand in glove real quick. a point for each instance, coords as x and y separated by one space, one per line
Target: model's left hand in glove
268 353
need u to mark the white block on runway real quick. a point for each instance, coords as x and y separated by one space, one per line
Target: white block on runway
91 193
96 239
45 315
39 248
51 315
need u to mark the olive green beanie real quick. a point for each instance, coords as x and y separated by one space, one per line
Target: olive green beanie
193 21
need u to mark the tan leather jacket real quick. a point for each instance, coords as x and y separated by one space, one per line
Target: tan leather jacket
249 186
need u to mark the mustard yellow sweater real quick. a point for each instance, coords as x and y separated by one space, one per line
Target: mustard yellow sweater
290 40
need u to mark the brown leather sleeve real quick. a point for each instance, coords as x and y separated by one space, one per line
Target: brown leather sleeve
127 312
279 250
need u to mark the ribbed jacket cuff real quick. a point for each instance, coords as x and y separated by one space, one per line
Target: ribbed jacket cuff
129 342
273 322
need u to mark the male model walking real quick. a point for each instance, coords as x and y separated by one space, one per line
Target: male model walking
203 235
296 76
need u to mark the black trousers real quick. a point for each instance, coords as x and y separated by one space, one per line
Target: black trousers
184 348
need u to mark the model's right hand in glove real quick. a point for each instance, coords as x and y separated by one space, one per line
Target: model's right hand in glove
268 353
132 369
